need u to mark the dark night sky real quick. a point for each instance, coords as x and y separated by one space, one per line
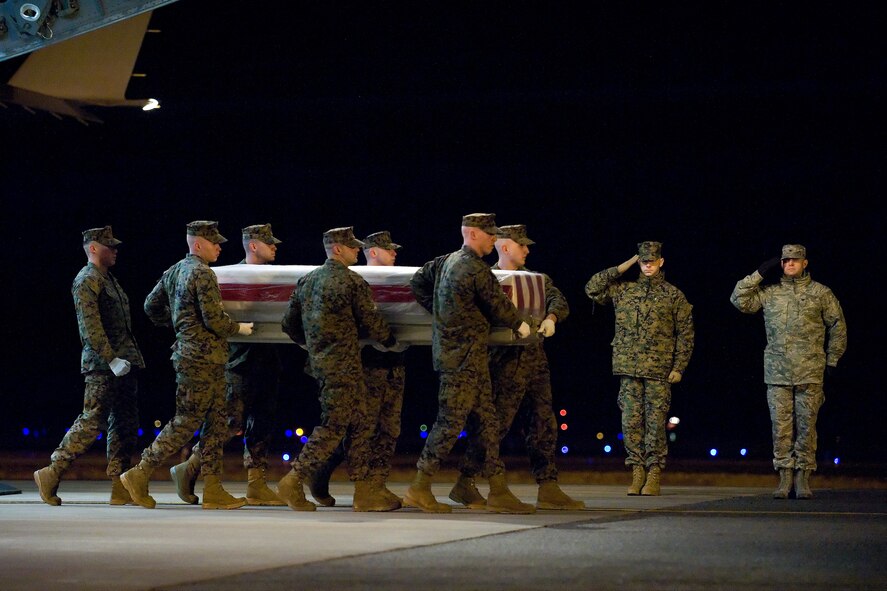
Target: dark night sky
723 134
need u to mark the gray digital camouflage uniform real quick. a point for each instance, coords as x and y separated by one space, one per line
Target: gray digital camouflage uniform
329 311
654 336
798 312
522 392
187 296
105 325
464 298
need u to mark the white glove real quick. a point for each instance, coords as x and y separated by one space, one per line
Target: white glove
120 367
245 328
399 347
523 330
547 328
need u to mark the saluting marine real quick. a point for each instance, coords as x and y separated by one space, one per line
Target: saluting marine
651 349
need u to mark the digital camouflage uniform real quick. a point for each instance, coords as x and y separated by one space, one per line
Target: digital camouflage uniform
252 378
797 314
522 391
654 336
105 325
464 298
188 297
329 311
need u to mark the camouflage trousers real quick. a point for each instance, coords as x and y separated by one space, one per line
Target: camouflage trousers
644 404
464 401
108 401
793 412
522 397
200 400
384 404
250 407
343 414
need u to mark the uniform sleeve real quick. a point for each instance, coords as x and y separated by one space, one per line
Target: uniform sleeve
157 305
422 284
555 301
209 300
747 296
369 320
89 318
292 318
602 286
493 302
685 334
836 327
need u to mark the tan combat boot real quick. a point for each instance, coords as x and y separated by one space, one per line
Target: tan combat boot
290 490
135 480
379 482
47 480
257 491
119 494
651 488
319 487
465 492
638 477
785 484
552 497
802 486
185 476
369 497
502 500
419 495
216 497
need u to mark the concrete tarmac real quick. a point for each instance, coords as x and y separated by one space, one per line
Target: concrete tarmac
688 538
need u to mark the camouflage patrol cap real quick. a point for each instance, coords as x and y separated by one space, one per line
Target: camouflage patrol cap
482 221
649 251
100 235
518 233
343 236
794 251
260 232
206 229
380 240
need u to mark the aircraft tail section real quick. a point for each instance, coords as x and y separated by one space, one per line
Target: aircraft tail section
93 69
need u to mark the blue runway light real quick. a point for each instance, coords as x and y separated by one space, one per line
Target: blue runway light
286 457
26 431
619 437
156 432
303 439
423 434
837 461
288 433
743 452
462 434
608 449
98 437
141 431
565 449
712 452
197 433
